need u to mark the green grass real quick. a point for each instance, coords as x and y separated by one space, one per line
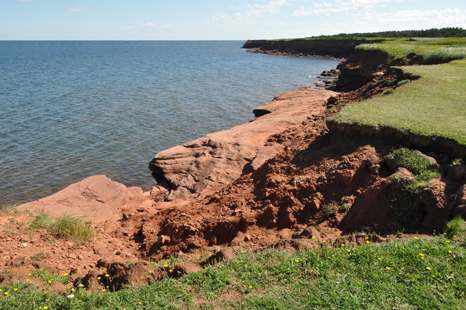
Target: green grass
68 226
455 227
431 49
374 276
433 105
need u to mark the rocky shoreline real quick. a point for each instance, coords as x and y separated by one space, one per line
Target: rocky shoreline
290 178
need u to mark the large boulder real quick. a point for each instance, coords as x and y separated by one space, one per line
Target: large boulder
97 198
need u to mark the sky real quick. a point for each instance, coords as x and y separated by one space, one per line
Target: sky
218 19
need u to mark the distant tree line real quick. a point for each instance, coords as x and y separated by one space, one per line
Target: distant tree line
429 33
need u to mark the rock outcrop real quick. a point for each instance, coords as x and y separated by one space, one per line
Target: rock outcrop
210 163
311 48
97 198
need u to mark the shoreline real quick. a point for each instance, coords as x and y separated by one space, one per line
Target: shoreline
291 178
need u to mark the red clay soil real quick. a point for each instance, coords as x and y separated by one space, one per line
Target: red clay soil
320 187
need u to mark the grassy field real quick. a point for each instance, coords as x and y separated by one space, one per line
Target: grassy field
433 105
416 273
431 49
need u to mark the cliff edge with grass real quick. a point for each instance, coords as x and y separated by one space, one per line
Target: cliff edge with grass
379 158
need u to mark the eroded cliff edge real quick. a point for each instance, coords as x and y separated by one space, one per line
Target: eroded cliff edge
290 178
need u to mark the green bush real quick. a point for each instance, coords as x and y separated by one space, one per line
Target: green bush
413 160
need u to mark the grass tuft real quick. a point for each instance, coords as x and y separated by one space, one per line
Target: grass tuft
71 227
455 227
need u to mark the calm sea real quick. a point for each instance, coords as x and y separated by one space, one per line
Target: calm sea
71 109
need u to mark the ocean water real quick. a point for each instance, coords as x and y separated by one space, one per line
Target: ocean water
72 109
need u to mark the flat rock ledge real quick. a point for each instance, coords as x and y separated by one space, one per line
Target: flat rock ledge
204 166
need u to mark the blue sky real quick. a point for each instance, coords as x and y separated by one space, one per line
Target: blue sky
218 20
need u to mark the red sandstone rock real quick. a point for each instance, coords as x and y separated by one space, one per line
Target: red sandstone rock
97 198
203 166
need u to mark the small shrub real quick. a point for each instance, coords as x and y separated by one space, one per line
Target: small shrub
345 208
454 227
388 83
401 83
387 91
414 161
330 209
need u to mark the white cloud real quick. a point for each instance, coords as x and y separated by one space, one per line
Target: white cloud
349 7
80 9
302 11
250 12
436 17
322 5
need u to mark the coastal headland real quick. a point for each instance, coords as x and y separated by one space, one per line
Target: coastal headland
295 177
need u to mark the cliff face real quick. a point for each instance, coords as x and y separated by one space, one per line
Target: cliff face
330 48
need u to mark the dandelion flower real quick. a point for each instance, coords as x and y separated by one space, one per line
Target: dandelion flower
323 241
448 240
170 270
29 274
348 250
150 271
445 234
433 275
15 289
421 254
415 237
103 290
250 286
46 307
65 274
313 237
379 258
388 268
107 275
367 242
140 303
165 265
6 293
343 244
428 268
296 260
49 281
367 238
98 278
422 257
450 251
